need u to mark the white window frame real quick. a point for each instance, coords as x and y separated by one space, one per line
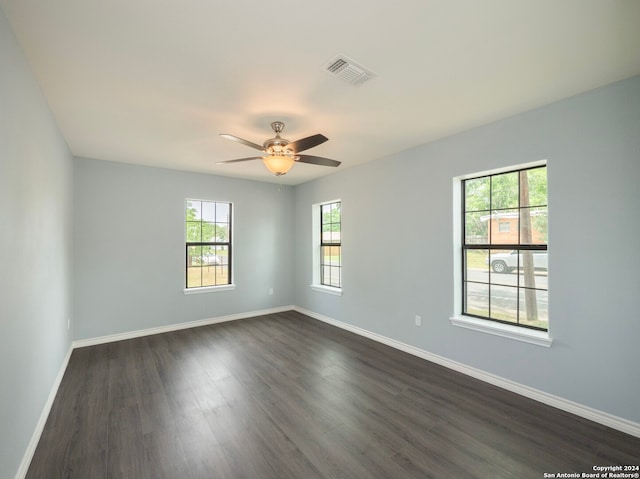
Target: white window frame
517 333
316 283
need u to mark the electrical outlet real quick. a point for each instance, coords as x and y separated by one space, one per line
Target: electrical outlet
270 291
418 320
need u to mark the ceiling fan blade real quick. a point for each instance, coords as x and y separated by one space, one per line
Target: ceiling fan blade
306 143
317 160
243 141
238 160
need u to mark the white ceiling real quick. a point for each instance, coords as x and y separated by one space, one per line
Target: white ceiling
153 82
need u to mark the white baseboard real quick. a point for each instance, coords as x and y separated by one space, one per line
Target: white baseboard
586 412
80 343
35 438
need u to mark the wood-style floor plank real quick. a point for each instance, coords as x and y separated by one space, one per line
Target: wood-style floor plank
285 396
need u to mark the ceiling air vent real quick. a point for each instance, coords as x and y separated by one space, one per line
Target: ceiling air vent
346 69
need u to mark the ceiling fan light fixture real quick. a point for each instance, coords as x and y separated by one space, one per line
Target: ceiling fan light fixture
278 164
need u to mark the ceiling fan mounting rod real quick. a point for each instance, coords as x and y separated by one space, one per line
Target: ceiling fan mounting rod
277 126
278 143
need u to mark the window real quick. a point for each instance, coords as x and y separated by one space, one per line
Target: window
208 243
505 268
504 226
330 246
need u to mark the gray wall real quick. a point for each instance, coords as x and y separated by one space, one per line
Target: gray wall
35 252
129 247
398 255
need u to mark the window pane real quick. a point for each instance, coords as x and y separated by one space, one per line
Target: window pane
331 276
477 299
209 256
537 182
194 278
215 273
194 256
194 210
476 228
223 212
208 232
331 255
330 233
533 225
504 191
222 274
326 275
222 232
326 233
476 193
503 262
504 303
336 255
193 231
533 271
504 227
208 275
477 265
208 211
534 308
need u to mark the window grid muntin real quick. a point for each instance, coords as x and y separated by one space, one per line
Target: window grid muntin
333 269
215 246
519 246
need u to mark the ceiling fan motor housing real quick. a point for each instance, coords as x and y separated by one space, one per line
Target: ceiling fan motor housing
276 145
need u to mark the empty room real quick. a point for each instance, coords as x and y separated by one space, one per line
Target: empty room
319 240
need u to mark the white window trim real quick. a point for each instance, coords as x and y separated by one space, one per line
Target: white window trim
517 333
209 289
323 288
315 250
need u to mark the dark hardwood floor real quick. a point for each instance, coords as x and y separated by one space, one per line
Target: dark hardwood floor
286 396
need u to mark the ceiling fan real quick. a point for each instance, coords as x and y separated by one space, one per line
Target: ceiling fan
281 154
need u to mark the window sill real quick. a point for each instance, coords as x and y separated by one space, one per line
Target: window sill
327 289
531 336
210 289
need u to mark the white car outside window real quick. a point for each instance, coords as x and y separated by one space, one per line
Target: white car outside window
507 262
